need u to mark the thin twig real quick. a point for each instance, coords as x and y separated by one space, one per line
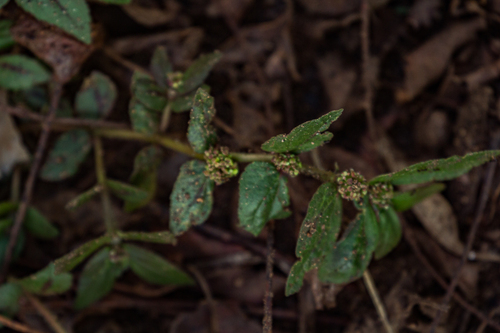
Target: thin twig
472 235
267 321
16 326
214 322
47 315
410 239
372 290
365 50
30 182
109 217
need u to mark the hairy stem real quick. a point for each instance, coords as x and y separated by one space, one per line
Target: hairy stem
109 218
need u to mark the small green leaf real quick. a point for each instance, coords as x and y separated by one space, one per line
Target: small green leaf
84 197
198 72
185 102
69 152
38 225
144 176
352 254
437 170
390 232
9 298
260 186
148 93
72 16
72 259
162 237
201 134
96 96
21 72
46 282
7 207
317 234
191 199
303 137
154 269
144 120
406 200
6 40
160 67
125 191
99 276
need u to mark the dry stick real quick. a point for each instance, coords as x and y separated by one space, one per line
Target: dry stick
49 317
365 49
472 235
16 326
214 322
267 321
24 113
30 182
372 290
410 239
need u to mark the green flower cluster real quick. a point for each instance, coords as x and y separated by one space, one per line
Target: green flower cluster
352 185
220 166
381 194
288 163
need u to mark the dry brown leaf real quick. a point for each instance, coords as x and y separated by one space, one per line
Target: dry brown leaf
12 150
152 16
228 317
429 61
63 53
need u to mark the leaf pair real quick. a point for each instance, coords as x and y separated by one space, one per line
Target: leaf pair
102 270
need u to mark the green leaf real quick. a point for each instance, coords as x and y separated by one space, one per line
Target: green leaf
84 197
318 232
191 199
198 72
6 40
160 67
352 254
144 176
4 241
96 96
201 134
69 152
390 232
125 191
99 276
303 137
144 120
437 170
260 185
21 72
161 237
3 3
7 207
185 102
148 93
72 16
38 225
281 201
46 282
154 269
406 200
72 259
9 298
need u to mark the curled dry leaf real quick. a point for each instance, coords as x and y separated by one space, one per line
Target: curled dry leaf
429 61
62 52
12 150
152 16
